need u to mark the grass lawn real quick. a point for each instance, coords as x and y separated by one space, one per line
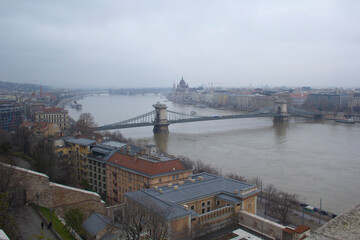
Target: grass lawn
56 224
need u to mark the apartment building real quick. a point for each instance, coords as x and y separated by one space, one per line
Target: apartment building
97 160
79 149
53 115
127 172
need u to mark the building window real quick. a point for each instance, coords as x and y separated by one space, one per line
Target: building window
177 176
217 202
208 209
203 210
173 177
249 206
129 188
192 207
160 180
203 204
209 203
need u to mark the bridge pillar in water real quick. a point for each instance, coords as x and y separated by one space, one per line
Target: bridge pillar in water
281 111
161 121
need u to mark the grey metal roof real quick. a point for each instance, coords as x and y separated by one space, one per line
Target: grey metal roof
169 199
113 144
81 141
96 222
228 198
166 209
210 185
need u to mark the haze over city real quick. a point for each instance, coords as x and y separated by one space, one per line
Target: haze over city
155 43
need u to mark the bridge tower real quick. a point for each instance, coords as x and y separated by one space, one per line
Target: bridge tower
161 122
281 114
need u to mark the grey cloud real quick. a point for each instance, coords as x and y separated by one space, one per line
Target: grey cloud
153 43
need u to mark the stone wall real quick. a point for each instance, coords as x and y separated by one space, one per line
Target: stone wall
213 220
39 190
261 225
65 197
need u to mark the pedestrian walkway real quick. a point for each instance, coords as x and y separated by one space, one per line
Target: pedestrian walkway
29 224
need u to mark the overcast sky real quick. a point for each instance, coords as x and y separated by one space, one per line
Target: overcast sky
153 43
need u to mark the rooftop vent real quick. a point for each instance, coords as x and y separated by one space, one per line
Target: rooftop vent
156 188
192 180
169 185
200 178
176 187
160 190
186 207
181 182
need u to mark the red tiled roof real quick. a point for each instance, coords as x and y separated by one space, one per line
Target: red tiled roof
298 95
144 166
301 229
40 125
288 230
52 109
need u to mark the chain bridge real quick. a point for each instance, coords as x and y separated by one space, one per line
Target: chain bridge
161 118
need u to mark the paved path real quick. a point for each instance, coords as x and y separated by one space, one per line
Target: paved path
29 224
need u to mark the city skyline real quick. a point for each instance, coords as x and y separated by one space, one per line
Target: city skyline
228 44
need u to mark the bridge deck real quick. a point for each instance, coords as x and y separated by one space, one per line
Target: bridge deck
126 124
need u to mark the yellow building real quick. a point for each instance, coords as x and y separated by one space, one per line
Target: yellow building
127 173
197 206
80 148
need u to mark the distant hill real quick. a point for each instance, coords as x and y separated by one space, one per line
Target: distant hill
133 91
20 87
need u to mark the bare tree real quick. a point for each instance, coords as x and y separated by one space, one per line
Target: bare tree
68 168
284 202
86 124
236 177
12 184
256 181
132 221
269 193
157 225
140 222
22 139
115 136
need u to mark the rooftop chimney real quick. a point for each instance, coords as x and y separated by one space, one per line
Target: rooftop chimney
176 187
169 185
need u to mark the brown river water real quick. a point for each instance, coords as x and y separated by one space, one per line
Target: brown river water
314 159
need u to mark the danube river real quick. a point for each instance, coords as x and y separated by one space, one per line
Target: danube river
312 159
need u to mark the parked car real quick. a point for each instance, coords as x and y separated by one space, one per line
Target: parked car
309 209
324 212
